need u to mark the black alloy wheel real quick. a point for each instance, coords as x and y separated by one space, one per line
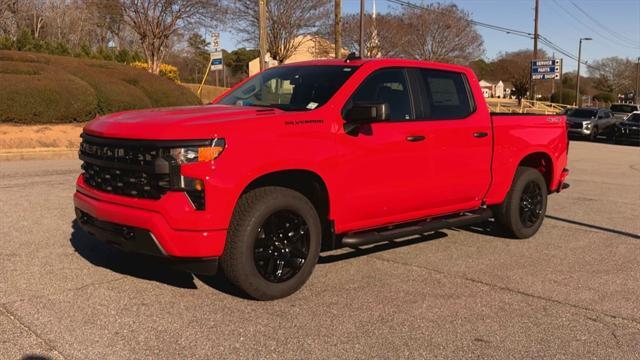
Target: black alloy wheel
282 246
531 204
522 212
273 242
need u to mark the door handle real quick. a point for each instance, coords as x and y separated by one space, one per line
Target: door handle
415 138
480 134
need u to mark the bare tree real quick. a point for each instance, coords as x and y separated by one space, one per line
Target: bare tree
515 67
613 74
26 14
8 26
438 32
157 21
287 20
434 32
389 29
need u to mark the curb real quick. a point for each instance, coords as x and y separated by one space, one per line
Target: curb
38 154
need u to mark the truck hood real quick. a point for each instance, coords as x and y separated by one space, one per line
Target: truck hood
179 123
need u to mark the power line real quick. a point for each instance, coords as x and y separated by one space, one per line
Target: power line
473 22
614 33
590 28
552 45
509 31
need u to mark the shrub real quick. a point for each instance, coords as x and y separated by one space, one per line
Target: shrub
168 71
33 94
38 88
568 97
605 97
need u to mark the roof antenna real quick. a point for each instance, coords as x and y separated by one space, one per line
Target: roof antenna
352 56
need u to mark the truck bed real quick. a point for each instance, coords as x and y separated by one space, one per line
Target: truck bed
517 136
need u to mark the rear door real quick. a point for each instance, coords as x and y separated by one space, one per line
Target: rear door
458 137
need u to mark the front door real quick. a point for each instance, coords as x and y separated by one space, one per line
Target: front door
385 165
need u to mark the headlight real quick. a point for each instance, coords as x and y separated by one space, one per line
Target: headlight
187 155
587 124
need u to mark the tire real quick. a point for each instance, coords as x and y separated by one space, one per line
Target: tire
512 213
271 229
593 136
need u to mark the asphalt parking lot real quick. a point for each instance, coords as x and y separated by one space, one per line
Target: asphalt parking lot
572 291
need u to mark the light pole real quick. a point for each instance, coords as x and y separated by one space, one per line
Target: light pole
578 72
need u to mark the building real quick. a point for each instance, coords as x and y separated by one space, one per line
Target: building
501 90
311 48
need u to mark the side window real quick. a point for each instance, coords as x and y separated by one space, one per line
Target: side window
385 86
442 95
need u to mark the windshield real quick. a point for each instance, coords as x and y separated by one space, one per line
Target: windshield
633 118
583 113
291 87
624 108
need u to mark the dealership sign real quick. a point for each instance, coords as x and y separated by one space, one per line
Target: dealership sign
216 60
546 69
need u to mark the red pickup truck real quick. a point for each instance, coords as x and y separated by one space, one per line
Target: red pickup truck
314 156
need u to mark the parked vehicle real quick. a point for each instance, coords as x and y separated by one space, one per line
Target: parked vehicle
589 122
621 111
310 156
628 131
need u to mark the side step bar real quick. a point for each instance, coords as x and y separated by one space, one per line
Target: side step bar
376 236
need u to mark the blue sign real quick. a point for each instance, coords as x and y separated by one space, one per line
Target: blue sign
546 69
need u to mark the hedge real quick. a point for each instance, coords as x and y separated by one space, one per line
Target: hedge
38 88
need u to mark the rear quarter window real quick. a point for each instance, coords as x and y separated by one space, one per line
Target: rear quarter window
442 95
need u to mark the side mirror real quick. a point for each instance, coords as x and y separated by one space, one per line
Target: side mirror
366 113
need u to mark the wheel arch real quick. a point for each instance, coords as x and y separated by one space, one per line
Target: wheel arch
308 183
541 161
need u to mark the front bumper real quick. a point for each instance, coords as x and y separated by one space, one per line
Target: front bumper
151 226
580 132
141 241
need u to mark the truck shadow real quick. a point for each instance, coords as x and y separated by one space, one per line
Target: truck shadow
595 227
395 244
103 255
142 267
488 228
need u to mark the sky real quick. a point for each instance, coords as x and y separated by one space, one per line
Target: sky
614 25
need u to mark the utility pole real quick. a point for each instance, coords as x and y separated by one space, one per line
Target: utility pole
338 28
361 28
578 72
553 81
535 48
262 25
635 94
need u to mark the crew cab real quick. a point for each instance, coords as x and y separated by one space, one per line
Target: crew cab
314 156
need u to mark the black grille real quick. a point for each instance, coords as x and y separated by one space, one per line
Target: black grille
124 167
126 182
575 125
136 168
